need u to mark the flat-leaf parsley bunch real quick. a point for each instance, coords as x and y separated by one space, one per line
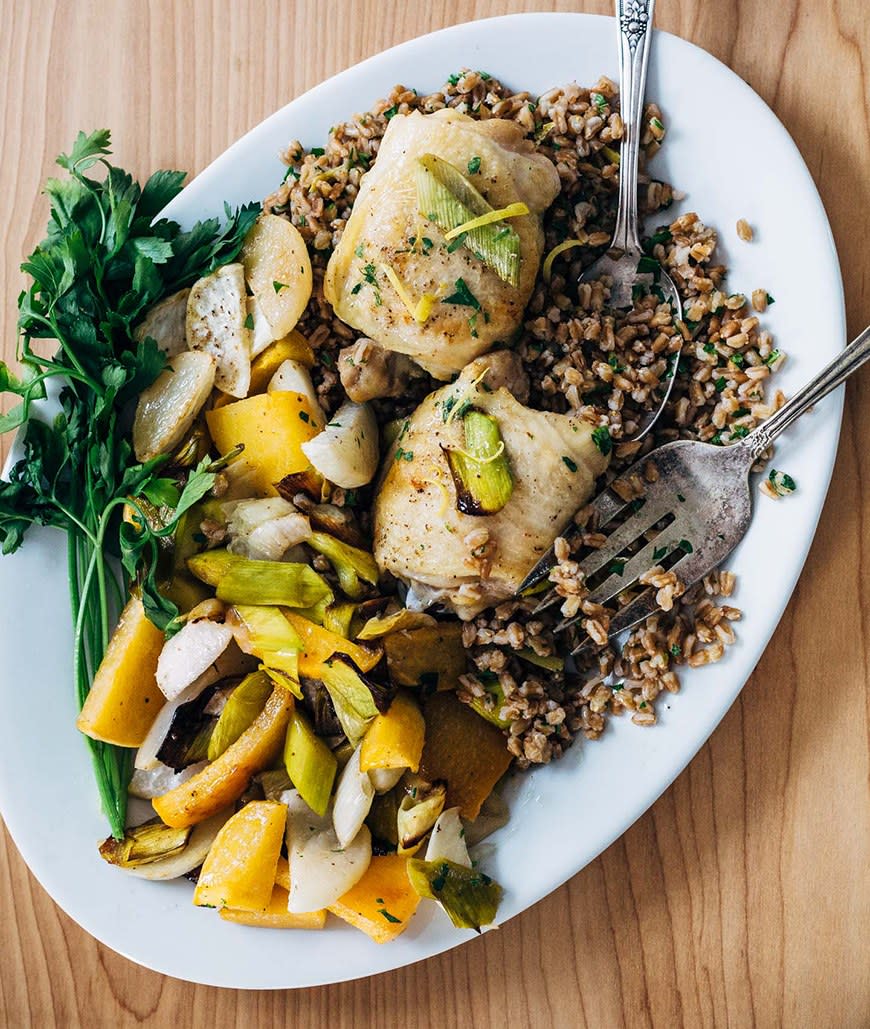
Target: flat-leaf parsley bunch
107 257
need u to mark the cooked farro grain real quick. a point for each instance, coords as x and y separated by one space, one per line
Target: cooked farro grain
581 357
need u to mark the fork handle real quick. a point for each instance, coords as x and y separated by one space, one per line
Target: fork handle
847 361
634 20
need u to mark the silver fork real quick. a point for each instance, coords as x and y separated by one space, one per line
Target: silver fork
625 262
702 490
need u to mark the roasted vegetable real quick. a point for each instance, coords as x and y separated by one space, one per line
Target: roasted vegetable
283 583
223 781
382 902
167 408
274 782
125 699
395 738
481 473
357 700
189 653
216 324
469 897
321 870
151 841
418 812
353 799
346 452
310 764
212 565
350 563
266 633
490 705
294 377
271 427
187 739
463 750
447 840
239 871
165 324
383 817
447 198
240 711
278 270
432 656
264 529
403 619
293 347
318 645
275 914
193 854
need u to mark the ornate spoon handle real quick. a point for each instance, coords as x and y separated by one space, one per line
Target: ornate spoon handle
634 20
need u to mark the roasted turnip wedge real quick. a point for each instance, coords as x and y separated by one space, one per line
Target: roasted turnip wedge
168 407
190 653
321 870
199 843
294 377
217 312
353 798
447 841
346 452
278 271
165 323
160 779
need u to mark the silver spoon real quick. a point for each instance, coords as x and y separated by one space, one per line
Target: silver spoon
634 20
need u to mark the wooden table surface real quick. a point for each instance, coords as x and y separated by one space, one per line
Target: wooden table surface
741 897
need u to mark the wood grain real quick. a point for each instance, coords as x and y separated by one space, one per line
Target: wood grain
741 898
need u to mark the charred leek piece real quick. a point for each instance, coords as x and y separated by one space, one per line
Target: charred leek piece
469 897
356 699
350 563
240 711
273 582
266 633
481 472
447 198
310 764
189 735
143 844
417 813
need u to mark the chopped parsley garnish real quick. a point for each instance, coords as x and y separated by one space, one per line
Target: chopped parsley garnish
304 416
599 100
391 111
739 431
617 567
455 244
474 166
326 359
709 348
249 322
485 75
454 78
662 235
659 553
772 357
404 455
462 295
359 250
720 384
770 300
278 286
290 173
676 650
427 244
386 914
601 439
369 274
317 151
638 291
738 360
685 546
681 498
648 265
613 361
356 288
571 465
617 686
782 483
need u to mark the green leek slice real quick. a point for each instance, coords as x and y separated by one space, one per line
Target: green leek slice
447 198
350 563
310 764
481 472
145 843
468 896
240 712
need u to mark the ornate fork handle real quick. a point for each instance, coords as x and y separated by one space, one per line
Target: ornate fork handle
843 365
634 20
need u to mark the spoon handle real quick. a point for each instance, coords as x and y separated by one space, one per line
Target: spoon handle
634 19
844 364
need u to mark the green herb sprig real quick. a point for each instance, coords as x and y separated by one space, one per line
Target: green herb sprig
107 257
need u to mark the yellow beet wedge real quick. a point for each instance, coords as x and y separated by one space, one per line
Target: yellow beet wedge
382 902
239 871
272 428
124 699
319 644
222 782
395 739
275 915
